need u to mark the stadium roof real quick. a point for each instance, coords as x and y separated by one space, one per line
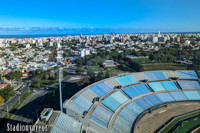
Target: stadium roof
114 104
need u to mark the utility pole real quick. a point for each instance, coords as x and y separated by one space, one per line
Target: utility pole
60 87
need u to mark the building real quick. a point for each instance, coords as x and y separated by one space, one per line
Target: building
178 39
110 63
84 52
123 39
163 39
51 44
154 39
58 45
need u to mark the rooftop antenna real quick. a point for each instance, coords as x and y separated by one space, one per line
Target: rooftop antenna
60 71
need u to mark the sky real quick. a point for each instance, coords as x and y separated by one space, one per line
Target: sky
139 15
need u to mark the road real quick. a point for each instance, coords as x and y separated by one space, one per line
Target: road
28 112
10 103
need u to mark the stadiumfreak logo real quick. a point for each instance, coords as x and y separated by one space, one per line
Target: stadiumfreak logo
26 128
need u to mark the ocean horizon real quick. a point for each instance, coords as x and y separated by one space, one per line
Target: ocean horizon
21 36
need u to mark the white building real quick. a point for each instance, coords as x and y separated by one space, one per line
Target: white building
154 39
51 44
58 45
84 52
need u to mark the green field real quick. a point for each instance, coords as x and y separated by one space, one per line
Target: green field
96 68
174 121
164 66
188 125
44 83
142 60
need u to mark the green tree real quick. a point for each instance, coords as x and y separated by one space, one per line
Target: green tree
7 92
16 75
1 100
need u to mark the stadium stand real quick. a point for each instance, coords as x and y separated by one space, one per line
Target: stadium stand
101 115
117 109
126 80
68 124
156 86
165 97
143 103
101 89
76 108
111 103
98 91
170 74
131 92
90 130
178 96
82 103
186 84
155 76
89 95
140 76
103 86
119 97
169 85
127 115
56 130
187 75
112 82
192 95
122 124
196 83
153 99
142 88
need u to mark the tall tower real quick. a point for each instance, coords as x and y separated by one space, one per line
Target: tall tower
60 71
159 34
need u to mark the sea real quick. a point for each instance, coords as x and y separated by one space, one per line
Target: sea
18 36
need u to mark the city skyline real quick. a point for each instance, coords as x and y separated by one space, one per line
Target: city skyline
133 16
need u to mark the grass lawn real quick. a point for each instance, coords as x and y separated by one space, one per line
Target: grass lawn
166 128
96 68
188 125
112 70
163 66
116 70
44 83
142 60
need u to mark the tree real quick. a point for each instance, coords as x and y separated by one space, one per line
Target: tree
15 75
79 70
7 92
83 82
107 75
36 82
65 73
1 100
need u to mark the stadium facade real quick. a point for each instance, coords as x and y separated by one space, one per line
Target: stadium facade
114 105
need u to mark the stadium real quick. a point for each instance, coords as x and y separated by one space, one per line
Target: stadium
133 102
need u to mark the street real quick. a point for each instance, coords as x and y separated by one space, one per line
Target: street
28 111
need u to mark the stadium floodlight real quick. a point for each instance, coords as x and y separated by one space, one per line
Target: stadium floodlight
60 74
